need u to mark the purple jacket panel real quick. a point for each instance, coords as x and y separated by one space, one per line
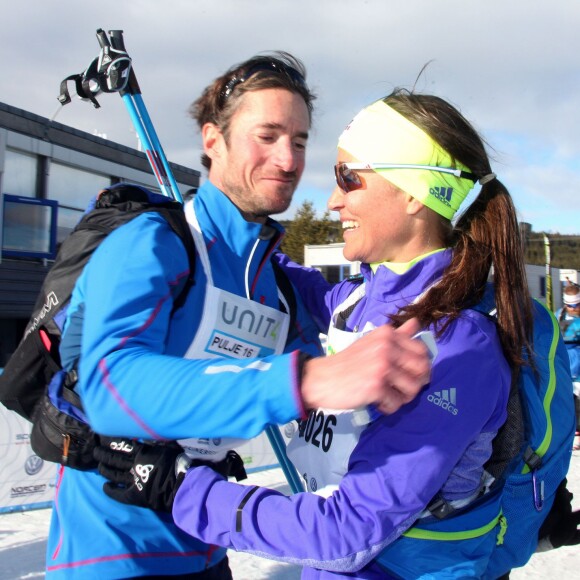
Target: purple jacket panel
400 462
316 293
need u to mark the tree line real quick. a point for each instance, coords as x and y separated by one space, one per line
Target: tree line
564 250
307 229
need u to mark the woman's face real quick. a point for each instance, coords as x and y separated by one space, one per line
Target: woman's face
376 222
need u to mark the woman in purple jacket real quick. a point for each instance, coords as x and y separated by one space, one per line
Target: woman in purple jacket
405 164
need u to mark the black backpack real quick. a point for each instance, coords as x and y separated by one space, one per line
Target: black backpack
58 436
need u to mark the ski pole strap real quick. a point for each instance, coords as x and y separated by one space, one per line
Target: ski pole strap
81 87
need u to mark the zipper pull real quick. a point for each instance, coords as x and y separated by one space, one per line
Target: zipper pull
65 448
503 526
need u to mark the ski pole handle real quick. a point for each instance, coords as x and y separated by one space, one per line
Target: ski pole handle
118 43
112 72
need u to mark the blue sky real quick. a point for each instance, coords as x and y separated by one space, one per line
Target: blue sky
512 67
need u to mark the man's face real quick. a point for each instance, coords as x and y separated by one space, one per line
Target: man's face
259 169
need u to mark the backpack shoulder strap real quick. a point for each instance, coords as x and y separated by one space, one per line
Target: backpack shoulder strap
343 315
178 223
127 201
507 443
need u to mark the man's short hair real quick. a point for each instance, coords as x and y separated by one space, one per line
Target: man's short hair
220 100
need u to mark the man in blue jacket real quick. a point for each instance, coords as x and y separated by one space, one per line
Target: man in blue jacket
231 360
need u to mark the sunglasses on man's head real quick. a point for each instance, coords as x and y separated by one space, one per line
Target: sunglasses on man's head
266 66
348 179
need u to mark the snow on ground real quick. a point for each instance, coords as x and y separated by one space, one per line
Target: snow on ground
23 543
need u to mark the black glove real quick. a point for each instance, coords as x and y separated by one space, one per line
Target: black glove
150 475
139 474
560 527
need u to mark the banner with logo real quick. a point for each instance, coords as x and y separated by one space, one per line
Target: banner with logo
26 481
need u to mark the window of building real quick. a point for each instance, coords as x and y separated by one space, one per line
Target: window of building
28 227
334 274
20 171
73 188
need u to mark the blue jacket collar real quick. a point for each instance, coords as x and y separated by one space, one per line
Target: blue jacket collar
234 245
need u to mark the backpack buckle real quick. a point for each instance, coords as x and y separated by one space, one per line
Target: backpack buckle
440 508
532 459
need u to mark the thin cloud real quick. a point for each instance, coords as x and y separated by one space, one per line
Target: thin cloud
511 67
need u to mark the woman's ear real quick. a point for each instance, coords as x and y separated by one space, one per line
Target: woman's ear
414 206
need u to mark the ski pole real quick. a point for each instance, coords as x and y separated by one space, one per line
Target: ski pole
131 95
279 447
155 154
112 72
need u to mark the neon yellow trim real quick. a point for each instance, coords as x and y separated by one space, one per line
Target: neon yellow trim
402 267
378 134
419 534
541 450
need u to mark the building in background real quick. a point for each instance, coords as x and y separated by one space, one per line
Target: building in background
334 266
328 258
48 174
569 276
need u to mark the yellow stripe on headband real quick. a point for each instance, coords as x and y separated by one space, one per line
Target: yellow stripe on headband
378 134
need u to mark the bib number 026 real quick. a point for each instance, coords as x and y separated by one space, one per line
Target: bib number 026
317 429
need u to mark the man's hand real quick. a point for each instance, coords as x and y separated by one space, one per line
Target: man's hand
386 367
150 475
139 474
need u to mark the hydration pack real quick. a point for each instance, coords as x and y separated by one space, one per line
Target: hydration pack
530 460
33 383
